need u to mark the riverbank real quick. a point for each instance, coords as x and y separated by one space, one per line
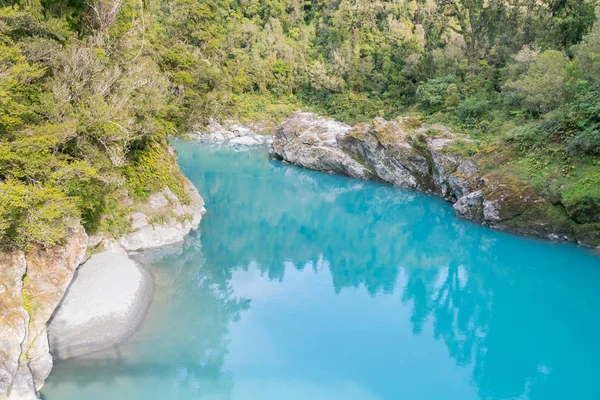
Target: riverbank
433 159
86 294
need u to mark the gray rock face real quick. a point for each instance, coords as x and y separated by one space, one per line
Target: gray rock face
31 287
394 152
106 302
231 133
164 219
311 141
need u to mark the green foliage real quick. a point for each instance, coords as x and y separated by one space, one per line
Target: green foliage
465 148
542 88
89 90
33 214
115 222
73 107
472 108
151 169
587 141
434 93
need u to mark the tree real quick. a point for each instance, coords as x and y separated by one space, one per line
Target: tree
542 87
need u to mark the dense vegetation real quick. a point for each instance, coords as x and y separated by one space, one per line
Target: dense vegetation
90 89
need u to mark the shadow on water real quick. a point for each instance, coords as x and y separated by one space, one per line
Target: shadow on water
521 313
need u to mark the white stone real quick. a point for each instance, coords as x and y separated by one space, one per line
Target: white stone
246 140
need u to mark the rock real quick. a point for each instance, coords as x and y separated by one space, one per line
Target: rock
402 153
232 133
460 182
470 206
14 319
509 204
310 141
33 284
247 140
390 151
106 302
164 219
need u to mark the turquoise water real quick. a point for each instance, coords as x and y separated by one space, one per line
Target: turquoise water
303 285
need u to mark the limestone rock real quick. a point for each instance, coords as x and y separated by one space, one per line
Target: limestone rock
104 305
164 219
508 204
310 141
391 151
14 318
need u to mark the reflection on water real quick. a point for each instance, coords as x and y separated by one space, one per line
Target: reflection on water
311 286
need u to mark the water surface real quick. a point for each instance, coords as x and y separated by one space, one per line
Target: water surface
303 285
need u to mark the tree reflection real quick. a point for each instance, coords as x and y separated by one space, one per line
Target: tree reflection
490 297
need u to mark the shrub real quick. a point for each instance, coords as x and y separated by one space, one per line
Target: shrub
587 141
472 108
151 169
431 94
34 214
542 88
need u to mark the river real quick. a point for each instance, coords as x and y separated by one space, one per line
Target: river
303 285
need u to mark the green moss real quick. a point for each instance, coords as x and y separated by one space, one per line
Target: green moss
588 234
29 303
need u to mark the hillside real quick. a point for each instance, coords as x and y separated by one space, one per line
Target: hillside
89 91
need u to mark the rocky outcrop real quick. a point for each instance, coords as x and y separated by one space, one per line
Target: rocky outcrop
32 284
231 133
164 219
397 152
432 159
104 305
310 141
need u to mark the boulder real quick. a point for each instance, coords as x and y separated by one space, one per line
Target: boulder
431 159
509 204
231 133
106 302
311 141
396 152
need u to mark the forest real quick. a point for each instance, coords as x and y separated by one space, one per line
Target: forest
90 90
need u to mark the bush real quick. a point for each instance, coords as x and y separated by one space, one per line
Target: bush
528 137
472 109
432 94
34 214
151 169
587 141
542 88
